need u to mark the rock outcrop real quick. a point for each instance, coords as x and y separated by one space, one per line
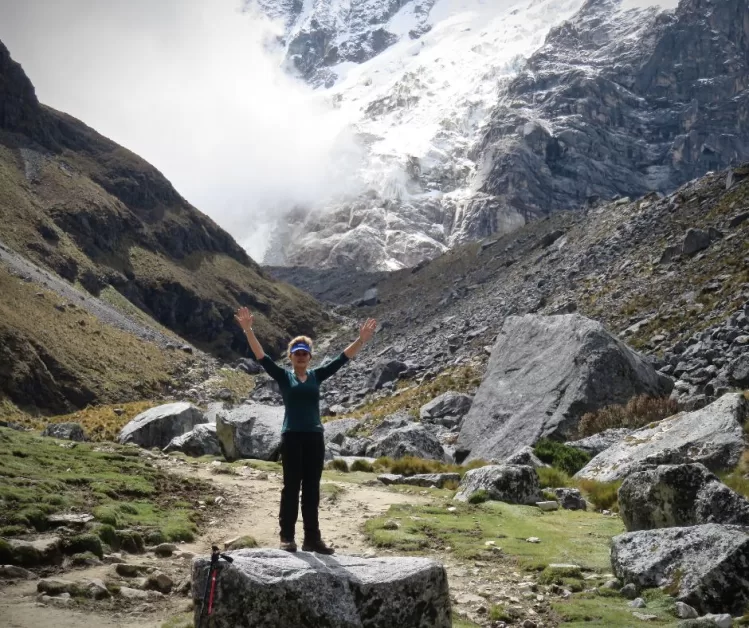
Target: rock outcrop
679 495
410 440
269 588
703 566
65 431
250 431
544 374
712 436
158 426
201 441
503 483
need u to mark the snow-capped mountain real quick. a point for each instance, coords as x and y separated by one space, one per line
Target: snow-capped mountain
477 116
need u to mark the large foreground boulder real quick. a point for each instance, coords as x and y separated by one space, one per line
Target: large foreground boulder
679 495
704 566
713 436
158 426
513 484
251 430
202 441
270 588
410 440
545 373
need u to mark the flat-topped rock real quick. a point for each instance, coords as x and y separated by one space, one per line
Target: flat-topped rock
267 588
713 436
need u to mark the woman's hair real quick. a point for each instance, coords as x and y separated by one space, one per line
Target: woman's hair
305 339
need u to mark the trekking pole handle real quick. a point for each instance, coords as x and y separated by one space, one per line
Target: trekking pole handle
216 554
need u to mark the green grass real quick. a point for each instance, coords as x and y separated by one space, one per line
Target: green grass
331 492
549 477
603 495
183 620
566 536
38 477
592 609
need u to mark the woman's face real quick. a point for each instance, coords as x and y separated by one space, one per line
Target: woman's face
300 359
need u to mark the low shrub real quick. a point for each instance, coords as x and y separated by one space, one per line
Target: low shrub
83 543
603 495
479 497
638 412
338 465
242 542
549 477
560 456
362 465
131 541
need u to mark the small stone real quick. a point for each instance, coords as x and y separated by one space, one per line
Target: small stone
638 602
629 591
133 594
548 506
451 509
532 539
159 582
13 572
644 617
129 571
684 611
165 549
97 590
390 525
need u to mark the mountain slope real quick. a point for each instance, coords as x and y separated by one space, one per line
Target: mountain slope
478 117
100 217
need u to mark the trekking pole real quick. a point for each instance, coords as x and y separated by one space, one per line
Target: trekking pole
210 585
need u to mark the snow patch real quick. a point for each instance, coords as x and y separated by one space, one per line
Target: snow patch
646 4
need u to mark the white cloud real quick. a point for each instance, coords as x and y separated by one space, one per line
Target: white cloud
191 86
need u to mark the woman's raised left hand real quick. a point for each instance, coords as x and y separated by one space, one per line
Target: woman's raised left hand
368 329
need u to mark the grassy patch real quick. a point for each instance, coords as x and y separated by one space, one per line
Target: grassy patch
603 495
549 477
39 477
183 620
337 465
638 412
410 465
362 465
238 383
331 492
100 423
592 609
566 536
559 456
738 479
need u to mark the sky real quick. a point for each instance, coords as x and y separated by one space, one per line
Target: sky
192 87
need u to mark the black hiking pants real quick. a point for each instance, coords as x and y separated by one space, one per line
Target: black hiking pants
302 457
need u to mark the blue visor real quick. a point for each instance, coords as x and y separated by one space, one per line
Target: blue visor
301 346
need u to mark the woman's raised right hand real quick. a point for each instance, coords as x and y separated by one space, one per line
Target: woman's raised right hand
245 319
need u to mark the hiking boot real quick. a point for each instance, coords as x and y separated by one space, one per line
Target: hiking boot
317 545
288 546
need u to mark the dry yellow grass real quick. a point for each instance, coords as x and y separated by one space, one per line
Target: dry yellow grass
90 358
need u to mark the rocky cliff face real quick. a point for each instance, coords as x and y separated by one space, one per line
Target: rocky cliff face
599 100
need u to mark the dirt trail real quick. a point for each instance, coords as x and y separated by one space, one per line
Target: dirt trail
251 507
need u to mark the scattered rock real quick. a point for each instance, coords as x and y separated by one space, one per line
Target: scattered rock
702 566
713 436
525 457
595 444
69 519
287 590
451 405
695 240
629 591
165 549
385 371
12 572
158 426
337 431
638 602
722 620
65 431
504 483
201 441
570 499
548 506
411 440
679 495
684 611
159 582
133 594
127 570
43 551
